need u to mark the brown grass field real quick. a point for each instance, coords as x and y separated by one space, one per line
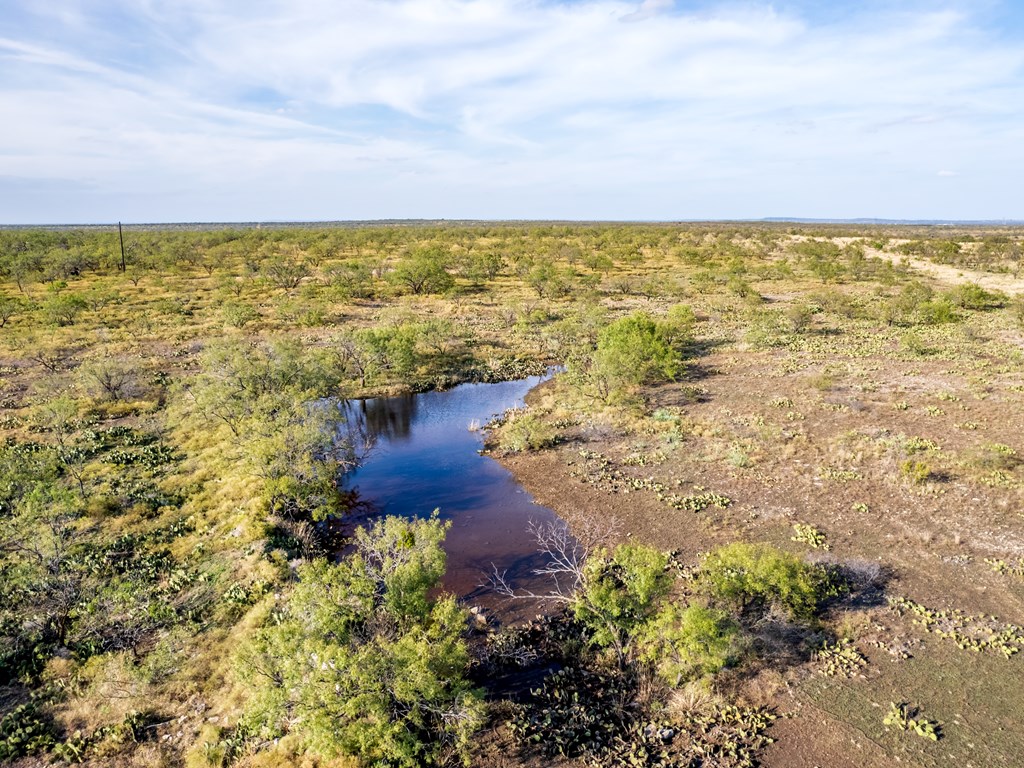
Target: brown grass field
891 432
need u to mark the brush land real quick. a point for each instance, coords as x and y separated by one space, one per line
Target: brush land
791 457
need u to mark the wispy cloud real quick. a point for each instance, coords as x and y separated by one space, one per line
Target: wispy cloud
647 9
504 108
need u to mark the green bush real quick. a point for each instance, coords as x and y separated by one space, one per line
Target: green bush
64 308
688 643
973 296
800 317
619 592
915 471
525 431
423 271
365 660
760 574
936 312
238 314
638 349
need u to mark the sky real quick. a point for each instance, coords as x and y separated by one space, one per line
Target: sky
307 110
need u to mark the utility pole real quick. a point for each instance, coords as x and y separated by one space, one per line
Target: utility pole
120 236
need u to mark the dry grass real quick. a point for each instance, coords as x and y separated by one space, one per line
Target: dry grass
792 407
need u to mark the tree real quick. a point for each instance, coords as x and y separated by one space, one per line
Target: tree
423 271
366 660
43 583
638 349
64 308
370 353
241 379
549 281
746 575
284 272
9 307
297 450
613 591
688 642
620 591
110 378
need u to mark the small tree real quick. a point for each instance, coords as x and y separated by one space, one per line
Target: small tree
295 448
746 575
638 350
285 272
620 591
366 660
64 308
9 307
109 378
423 271
685 643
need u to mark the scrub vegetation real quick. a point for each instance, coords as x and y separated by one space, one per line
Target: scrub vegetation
788 459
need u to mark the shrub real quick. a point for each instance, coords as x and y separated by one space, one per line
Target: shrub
238 314
619 591
800 317
525 431
365 660
760 574
109 378
423 271
549 281
688 643
9 307
915 471
64 308
638 349
973 296
936 312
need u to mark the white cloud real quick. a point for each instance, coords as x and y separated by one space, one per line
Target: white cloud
647 9
505 108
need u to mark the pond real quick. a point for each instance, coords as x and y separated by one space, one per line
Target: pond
425 456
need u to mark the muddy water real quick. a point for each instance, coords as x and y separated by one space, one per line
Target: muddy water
424 456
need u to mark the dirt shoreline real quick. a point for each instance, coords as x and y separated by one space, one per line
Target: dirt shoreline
930 542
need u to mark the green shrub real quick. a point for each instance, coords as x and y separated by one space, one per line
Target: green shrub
997 456
936 312
422 271
915 471
525 431
760 574
800 317
366 660
973 296
688 643
238 314
638 349
64 308
619 592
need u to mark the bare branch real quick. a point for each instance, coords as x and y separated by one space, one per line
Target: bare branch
566 555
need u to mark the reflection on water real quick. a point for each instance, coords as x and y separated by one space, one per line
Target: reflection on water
425 457
385 417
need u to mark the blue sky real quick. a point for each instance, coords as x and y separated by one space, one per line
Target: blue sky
210 110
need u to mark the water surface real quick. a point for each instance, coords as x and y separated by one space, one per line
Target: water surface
425 457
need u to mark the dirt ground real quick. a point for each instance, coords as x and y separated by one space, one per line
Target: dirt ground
787 444
951 275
